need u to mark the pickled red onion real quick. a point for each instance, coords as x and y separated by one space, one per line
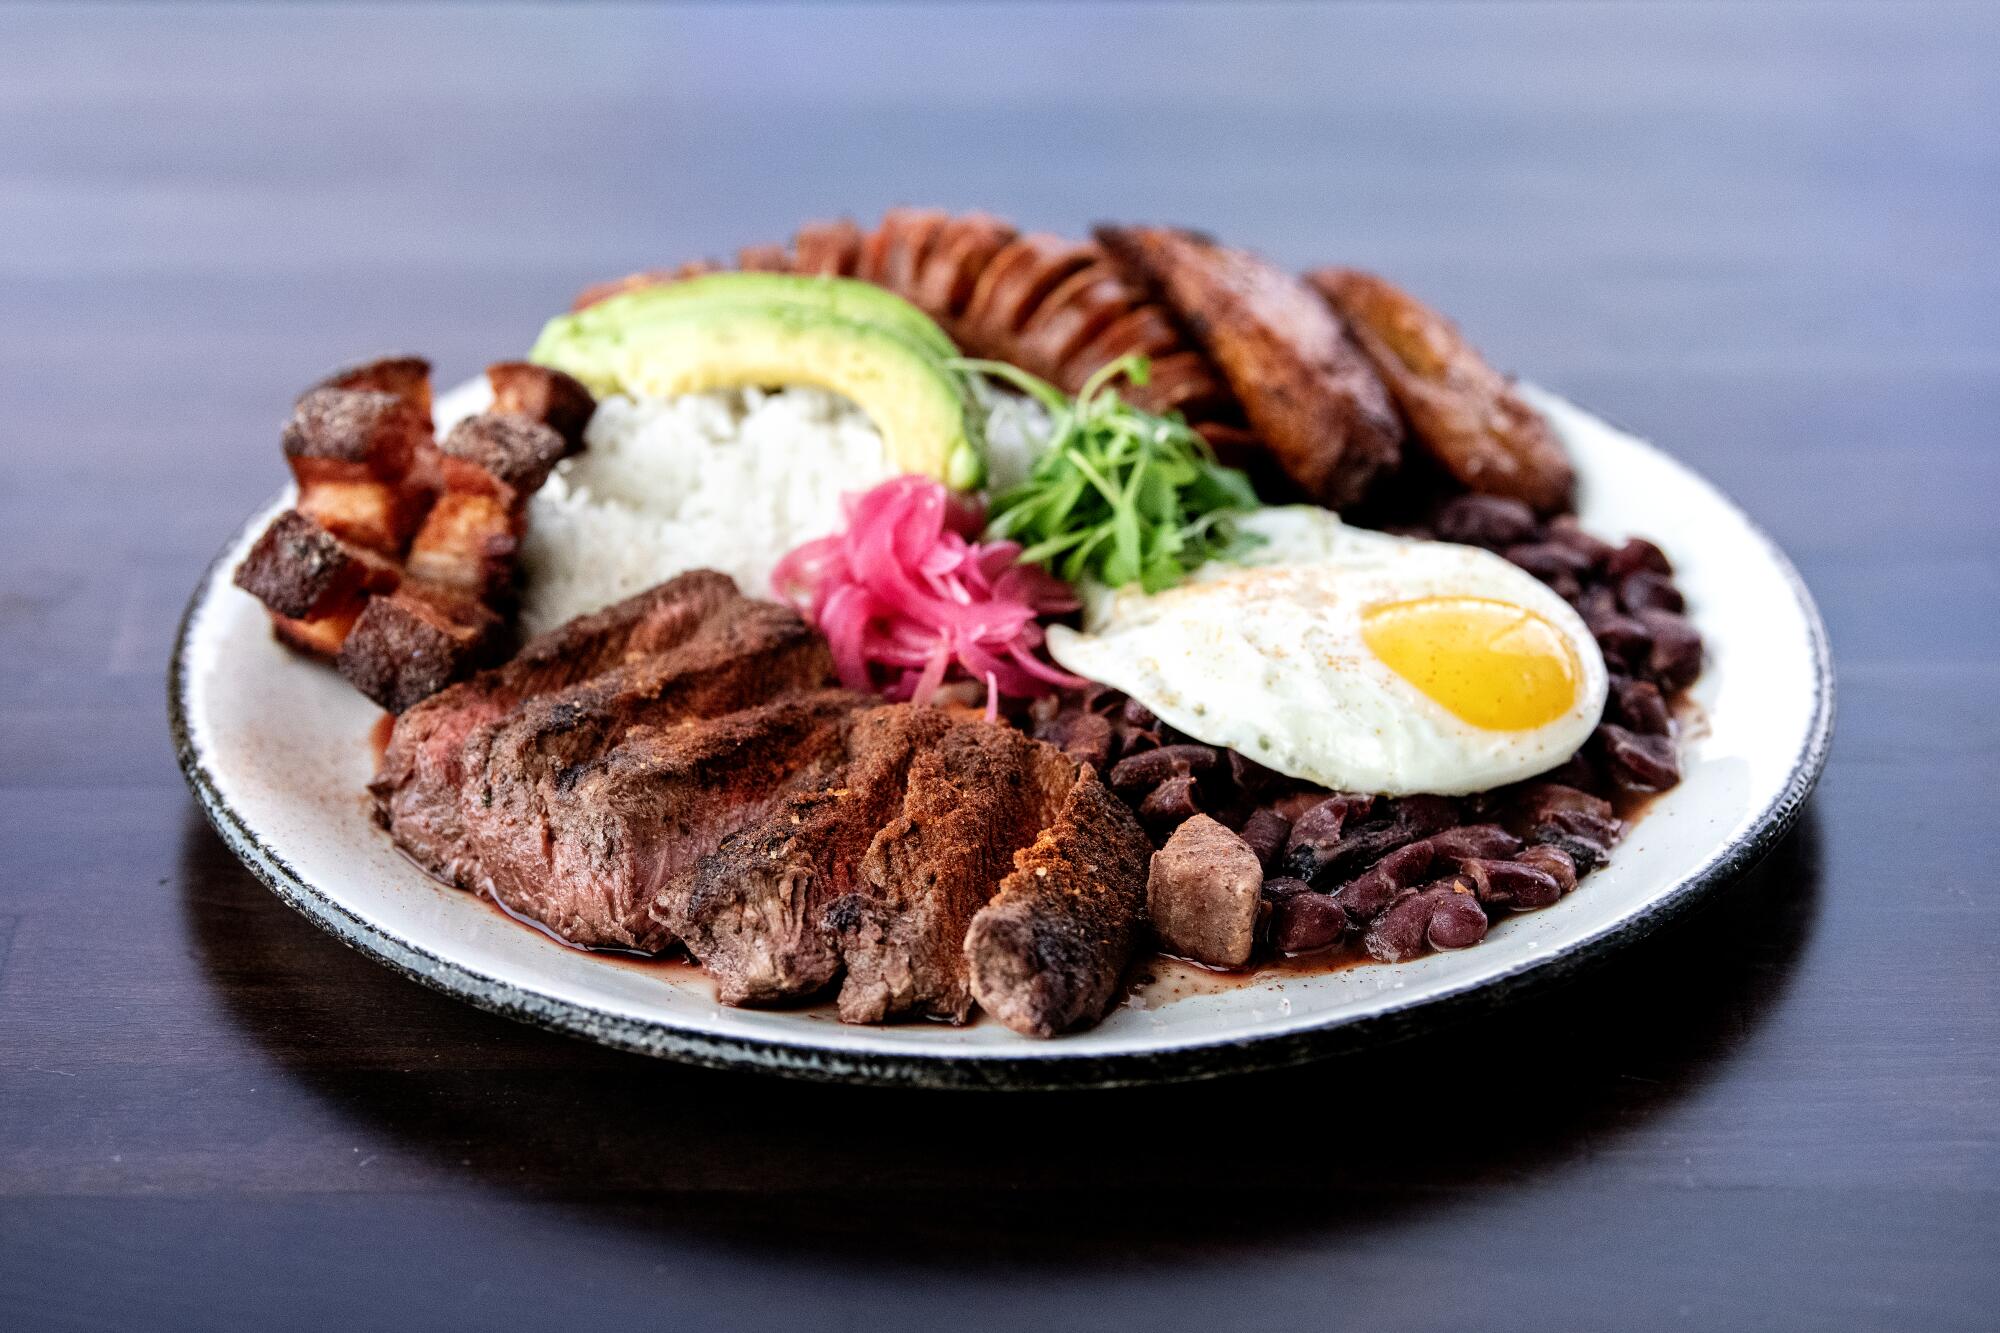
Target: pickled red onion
906 598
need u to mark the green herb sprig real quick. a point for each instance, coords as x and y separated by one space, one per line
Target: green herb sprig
1122 495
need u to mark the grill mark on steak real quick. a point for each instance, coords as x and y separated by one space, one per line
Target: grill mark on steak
417 784
1047 953
584 847
974 799
753 911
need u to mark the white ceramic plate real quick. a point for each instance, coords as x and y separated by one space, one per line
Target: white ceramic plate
277 750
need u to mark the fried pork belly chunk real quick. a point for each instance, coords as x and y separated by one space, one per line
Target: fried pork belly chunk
1202 894
303 572
693 639
550 397
407 646
753 912
973 799
489 466
1463 412
404 377
351 452
1325 420
1047 954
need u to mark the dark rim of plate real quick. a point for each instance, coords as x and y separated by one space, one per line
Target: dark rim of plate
1040 1065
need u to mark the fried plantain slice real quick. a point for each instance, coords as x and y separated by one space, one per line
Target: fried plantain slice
1326 421
1461 410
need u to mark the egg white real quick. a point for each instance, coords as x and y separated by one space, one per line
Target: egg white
1264 654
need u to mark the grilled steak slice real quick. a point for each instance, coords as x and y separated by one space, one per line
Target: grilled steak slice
975 798
753 912
1311 394
417 784
583 845
1048 952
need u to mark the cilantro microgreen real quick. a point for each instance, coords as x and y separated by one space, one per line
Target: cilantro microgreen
1121 495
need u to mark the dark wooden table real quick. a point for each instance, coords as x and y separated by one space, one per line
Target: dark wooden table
1763 236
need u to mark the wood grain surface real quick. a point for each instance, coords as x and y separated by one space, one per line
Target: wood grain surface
1761 235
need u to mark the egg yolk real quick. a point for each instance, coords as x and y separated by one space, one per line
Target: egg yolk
1492 664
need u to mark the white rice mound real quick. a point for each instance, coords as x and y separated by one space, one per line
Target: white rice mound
730 480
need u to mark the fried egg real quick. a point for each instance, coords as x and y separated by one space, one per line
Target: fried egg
1357 660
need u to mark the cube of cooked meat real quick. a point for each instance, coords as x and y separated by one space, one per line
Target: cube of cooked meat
303 572
558 401
1462 411
503 454
407 377
407 646
1202 894
351 451
1048 953
467 543
1318 406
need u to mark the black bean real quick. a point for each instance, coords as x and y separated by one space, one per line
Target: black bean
1676 656
1514 884
1596 603
1266 832
1644 590
1281 887
1637 554
1137 715
1554 862
1317 829
1565 531
1469 840
1549 561
1492 521
1303 922
1638 763
1152 767
1457 922
1251 777
1170 804
1581 824
1365 896
1639 706
1441 916
1624 640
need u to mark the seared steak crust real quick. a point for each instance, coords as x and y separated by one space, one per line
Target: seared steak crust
1048 952
676 768
974 799
753 911
417 785
584 846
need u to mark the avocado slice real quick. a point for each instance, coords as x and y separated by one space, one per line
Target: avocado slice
843 298
922 409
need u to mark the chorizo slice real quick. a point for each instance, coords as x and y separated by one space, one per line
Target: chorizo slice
1308 390
895 255
1462 411
959 253
764 259
1014 286
1143 330
1075 311
827 249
